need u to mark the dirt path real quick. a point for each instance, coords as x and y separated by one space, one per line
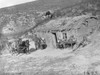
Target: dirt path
44 61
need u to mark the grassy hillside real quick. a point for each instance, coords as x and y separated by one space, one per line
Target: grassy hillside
39 5
72 17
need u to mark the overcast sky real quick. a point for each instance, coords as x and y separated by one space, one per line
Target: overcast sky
6 3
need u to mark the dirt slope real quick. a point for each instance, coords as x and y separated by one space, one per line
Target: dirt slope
51 61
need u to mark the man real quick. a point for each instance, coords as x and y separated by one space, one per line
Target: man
72 41
23 46
49 14
26 50
37 42
43 44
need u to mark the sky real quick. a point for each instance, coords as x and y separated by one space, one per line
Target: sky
6 3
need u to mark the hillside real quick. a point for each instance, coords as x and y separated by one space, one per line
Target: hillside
50 37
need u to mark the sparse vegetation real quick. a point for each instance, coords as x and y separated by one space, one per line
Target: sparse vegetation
63 37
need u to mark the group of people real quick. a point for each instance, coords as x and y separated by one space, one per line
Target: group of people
20 46
63 41
62 44
23 46
72 42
